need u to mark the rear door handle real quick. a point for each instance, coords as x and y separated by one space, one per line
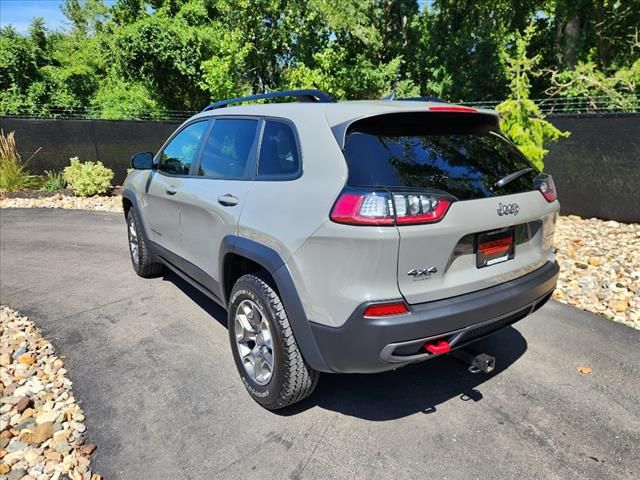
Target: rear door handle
171 190
228 200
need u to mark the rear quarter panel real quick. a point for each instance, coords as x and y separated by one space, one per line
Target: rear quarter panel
283 214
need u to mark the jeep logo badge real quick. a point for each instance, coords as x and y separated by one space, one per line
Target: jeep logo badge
508 209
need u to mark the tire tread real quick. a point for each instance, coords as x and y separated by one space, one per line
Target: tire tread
300 379
146 267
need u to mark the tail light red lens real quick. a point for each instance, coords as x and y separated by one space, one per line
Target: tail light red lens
382 208
386 309
547 187
372 208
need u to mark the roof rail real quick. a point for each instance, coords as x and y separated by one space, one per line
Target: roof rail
394 97
310 95
422 99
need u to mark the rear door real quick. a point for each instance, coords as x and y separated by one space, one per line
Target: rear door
215 194
488 235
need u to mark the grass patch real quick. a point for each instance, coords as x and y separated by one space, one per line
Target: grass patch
14 174
53 181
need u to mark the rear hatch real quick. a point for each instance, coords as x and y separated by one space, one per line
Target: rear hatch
460 228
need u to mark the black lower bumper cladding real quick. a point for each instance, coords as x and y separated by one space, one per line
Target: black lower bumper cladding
364 345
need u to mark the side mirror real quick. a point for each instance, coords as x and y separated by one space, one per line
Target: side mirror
142 161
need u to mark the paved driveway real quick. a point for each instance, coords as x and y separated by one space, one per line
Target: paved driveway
152 368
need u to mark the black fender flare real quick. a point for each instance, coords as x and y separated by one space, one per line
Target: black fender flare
273 263
131 196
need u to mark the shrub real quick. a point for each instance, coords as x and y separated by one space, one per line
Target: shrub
53 181
13 171
88 178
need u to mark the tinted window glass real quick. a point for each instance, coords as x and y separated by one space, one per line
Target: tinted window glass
178 156
227 150
464 163
278 151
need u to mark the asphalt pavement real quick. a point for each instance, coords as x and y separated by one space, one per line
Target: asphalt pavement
152 369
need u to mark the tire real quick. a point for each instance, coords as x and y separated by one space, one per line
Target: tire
141 257
291 379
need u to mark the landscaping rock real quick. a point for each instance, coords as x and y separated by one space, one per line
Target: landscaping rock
41 424
58 200
16 474
599 267
23 404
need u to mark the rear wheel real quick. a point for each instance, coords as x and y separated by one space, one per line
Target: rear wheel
141 258
264 349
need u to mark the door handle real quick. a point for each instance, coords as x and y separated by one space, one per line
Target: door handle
171 190
228 200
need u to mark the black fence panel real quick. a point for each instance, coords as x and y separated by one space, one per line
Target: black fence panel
111 142
597 169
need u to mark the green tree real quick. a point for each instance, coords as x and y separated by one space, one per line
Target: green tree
119 59
521 119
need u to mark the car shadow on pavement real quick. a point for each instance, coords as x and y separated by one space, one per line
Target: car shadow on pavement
208 305
417 388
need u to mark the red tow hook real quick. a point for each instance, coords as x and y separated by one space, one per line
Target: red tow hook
438 347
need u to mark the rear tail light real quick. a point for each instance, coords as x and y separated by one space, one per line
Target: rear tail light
372 208
382 208
547 187
419 208
385 309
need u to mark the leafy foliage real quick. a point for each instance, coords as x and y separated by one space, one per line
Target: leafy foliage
88 178
142 58
521 119
619 90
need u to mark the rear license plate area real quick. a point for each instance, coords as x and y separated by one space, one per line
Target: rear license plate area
495 247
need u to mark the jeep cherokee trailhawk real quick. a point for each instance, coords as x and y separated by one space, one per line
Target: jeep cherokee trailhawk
354 236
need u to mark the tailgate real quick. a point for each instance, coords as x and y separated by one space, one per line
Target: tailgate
455 185
444 254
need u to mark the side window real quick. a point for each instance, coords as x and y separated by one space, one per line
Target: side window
178 156
227 150
278 151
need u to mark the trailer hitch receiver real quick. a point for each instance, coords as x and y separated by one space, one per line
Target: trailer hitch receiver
477 362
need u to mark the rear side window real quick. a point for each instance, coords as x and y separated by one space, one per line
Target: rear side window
181 151
278 150
462 158
226 153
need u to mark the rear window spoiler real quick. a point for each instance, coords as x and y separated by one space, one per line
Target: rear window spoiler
463 115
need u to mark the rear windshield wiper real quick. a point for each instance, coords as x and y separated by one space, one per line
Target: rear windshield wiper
512 176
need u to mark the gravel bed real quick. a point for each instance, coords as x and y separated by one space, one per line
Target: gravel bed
67 192
600 267
42 434
61 200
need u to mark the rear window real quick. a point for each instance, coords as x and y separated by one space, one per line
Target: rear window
454 154
278 151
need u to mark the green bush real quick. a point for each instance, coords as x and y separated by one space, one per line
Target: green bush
14 175
88 178
53 181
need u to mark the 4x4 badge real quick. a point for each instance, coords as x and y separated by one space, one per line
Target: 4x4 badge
422 272
508 209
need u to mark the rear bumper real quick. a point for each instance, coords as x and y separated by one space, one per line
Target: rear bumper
366 345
